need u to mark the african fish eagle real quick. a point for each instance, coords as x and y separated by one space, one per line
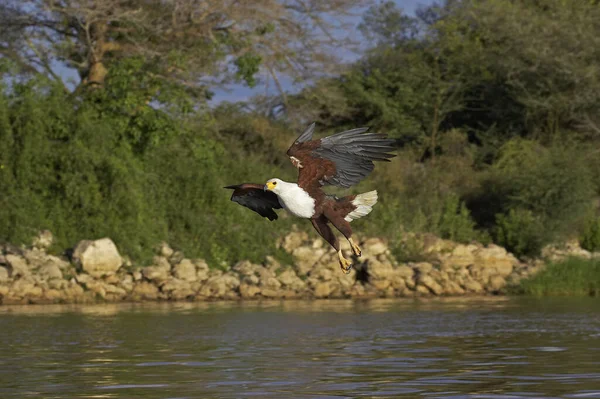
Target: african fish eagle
342 159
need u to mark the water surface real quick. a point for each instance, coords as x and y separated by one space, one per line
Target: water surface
459 348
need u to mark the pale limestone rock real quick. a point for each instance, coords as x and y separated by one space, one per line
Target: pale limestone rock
249 290
50 271
293 240
421 289
4 278
380 285
4 289
495 258
126 282
165 250
431 284
374 247
175 284
271 293
18 265
43 240
473 286
53 295
272 264
378 270
98 258
323 289
251 279
405 271
58 284
137 275
496 283
306 258
25 289
185 270
221 286
423 267
156 273
145 290
290 280
452 288
270 283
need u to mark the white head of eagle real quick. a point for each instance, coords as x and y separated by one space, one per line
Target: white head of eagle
292 198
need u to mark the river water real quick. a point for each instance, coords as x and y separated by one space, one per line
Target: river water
458 348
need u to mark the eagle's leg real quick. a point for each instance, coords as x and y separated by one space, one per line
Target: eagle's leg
344 227
324 230
355 248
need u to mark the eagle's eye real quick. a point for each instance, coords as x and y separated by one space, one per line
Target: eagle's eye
274 183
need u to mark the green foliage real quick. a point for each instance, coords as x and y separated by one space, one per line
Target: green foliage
573 277
590 238
520 232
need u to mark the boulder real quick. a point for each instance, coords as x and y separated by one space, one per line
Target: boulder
43 240
156 273
50 271
165 250
144 290
98 258
290 280
4 277
185 270
431 284
18 266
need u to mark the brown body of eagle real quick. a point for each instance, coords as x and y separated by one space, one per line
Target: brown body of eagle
343 159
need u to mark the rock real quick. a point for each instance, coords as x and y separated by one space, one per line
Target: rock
290 280
405 271
249 290
221 286
50 271
176 257
156 273
43 240
378 270
461 255
496 259
497 283
272 264
98 258
4 278
178 289
323 289
380 285
374 247
18 265
185 270
145 290
165 250
137 275
126 282
423 267
271 293
431 284
270 283
306 258
53 295
25 289
292 241
473 286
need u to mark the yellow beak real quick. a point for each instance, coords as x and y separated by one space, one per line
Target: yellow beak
269 186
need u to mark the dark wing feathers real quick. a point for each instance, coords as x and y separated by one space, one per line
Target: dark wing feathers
253 196
344 158
306 135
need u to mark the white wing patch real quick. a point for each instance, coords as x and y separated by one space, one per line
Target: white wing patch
364 205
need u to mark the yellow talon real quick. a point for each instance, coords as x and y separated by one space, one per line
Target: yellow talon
345 264
355 248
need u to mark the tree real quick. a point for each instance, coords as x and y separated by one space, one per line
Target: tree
195 43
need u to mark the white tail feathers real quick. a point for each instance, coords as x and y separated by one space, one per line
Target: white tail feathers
364 204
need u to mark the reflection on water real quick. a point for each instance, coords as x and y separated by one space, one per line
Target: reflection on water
458 348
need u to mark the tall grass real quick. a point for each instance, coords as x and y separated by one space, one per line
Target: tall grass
571 277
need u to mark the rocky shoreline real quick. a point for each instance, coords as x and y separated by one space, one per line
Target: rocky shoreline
96 272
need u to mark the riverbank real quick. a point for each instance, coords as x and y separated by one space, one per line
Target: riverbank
96 272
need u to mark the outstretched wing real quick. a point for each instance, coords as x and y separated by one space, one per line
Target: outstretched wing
343 159
253 196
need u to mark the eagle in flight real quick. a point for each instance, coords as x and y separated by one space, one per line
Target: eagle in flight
342 159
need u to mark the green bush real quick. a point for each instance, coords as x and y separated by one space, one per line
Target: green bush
573 276
520 232
590 238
